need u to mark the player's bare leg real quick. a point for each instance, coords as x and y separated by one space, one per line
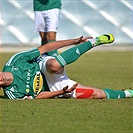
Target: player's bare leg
46 38
89 92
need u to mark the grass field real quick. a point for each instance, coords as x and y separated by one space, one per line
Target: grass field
97 69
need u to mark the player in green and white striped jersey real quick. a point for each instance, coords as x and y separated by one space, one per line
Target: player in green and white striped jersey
32 74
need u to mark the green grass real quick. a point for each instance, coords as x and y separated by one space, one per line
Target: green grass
97 69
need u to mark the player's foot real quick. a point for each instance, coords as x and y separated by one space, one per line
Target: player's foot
104 39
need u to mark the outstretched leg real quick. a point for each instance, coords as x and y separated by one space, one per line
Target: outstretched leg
95 93
72 54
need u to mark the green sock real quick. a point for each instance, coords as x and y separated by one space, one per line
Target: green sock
50 53
43 43
112 94
73 53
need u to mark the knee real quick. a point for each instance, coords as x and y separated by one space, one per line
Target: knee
99 94
51 36
53 66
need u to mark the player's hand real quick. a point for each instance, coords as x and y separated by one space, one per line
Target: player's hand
82 39
66 90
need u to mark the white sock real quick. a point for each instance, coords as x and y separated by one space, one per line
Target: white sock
127 93
93 40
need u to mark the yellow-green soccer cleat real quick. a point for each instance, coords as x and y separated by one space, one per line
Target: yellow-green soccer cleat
104 39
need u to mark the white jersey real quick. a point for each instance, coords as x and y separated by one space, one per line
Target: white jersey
56 81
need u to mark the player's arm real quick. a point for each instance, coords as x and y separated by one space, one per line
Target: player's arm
48 94
59 44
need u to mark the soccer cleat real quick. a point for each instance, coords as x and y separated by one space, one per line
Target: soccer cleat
104 39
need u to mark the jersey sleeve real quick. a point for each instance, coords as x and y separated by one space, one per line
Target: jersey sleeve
25 56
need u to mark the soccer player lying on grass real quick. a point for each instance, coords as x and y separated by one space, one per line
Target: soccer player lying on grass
27 75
